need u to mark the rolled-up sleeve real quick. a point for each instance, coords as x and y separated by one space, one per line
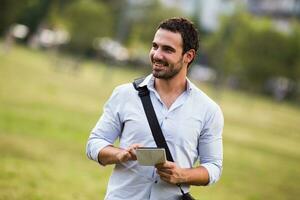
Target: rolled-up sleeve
210 147
107 129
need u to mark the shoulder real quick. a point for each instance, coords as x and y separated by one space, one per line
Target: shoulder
121 96
204 102
123 92
202 97
124 88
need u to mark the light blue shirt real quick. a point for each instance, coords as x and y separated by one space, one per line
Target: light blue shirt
192 127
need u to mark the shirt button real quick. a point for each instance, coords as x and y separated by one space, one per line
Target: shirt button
155 182
166 117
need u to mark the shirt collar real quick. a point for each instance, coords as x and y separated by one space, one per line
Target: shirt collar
149 82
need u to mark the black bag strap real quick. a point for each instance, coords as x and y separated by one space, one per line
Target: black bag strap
151 117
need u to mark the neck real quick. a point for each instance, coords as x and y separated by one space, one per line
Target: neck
174 86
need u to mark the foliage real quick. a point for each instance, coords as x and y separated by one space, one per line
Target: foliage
12 11
31 13
254 51
125 21
87 20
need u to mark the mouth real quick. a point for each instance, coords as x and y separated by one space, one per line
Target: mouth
160 64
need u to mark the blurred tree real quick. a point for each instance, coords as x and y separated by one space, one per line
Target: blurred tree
55 16
261 53
10 12
87 20
31 13
119 20
294 73
253 51
34 14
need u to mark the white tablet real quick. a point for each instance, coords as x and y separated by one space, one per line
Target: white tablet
150 156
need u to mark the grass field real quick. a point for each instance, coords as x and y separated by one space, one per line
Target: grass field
48 107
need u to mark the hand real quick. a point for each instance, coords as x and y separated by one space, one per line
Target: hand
170 172
128 154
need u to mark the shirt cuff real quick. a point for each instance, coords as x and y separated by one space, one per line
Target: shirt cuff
214 172
94 149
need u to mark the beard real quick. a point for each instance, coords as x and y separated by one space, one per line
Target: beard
164 70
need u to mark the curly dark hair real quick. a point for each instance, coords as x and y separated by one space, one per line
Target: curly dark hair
187 30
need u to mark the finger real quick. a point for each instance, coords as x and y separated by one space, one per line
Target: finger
169 164
137 145
165 177
132 153
159 165
162 166
163 174
124 156
134 146
131 149
164 171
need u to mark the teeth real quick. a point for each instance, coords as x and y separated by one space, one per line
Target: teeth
159 64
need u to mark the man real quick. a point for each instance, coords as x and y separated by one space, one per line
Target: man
190 121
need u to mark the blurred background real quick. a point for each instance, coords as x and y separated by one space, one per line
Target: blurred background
61 59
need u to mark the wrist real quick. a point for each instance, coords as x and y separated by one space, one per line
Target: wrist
184 178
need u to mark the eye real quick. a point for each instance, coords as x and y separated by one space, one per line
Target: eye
168 49
154 46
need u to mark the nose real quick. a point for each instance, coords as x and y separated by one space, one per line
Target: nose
157 54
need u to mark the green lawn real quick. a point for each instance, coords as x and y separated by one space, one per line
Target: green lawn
48 107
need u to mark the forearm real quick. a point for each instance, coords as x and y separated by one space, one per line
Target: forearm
113 155
195 176
108 155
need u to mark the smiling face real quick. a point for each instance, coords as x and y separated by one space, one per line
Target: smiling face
166 54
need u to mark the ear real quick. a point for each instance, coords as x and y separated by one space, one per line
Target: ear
189 56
